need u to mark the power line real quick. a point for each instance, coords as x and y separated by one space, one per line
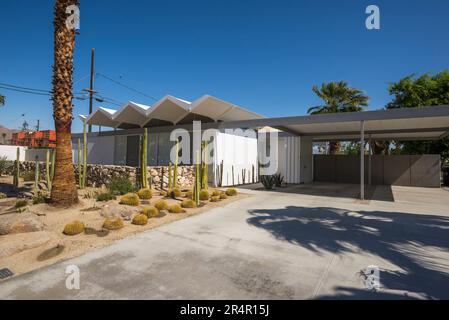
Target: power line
23 88
126 86
13 87
26 91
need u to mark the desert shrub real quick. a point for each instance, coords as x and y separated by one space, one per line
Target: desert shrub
5 165
231 192
175 208
204 195
130 199
3 195
215 193
189 194
120 185
90 194
268 182
150 211
145 193
188 204
161 205
21 203
39 198
28 176
223 196
140 220
73 228
175 193
105 196
113 224
215 199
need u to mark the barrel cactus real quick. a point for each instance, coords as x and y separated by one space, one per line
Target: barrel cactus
74 228
140 220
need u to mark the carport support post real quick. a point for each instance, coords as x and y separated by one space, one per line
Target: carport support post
369 160
362 160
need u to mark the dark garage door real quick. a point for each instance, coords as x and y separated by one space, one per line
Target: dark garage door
400 170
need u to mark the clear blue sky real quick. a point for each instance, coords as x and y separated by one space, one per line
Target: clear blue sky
262 55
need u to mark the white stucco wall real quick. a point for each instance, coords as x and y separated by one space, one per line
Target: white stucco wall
26 154
238 152
10 152
296 159
100 150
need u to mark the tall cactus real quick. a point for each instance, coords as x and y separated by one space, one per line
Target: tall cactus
144 159
36 176
80 165
53 160
85 147
170 177
17 170
204 167
175 170
47 170
197 186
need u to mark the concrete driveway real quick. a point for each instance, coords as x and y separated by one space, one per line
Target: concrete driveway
270 246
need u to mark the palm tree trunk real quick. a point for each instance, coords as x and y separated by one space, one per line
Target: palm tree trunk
63 191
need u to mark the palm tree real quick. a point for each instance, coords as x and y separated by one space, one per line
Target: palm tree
338 97
63 191
2 100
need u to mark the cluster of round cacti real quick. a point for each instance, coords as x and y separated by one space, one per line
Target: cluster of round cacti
189 194
175 193
130 199
3 195
161 205
145 193
74 228
204 195
223 196
113 224
231 192
150 211
215 199
215 193
188 204
175 208
140 220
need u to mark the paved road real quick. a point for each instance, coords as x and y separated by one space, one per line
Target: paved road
267 246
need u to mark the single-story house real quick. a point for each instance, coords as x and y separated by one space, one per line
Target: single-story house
238 156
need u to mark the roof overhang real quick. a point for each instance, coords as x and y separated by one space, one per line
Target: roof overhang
171 111
403 124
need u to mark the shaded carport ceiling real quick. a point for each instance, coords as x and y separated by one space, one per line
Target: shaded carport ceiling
428 123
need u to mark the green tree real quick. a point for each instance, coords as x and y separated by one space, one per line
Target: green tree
423 91
2 100
338 97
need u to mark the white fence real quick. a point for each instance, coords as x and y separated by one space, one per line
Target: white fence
26 154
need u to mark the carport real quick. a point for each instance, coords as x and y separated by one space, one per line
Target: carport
426 123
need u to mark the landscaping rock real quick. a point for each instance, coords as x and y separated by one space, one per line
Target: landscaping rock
119 211
20 223
20 242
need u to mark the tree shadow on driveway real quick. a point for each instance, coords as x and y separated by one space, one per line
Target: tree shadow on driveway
412 242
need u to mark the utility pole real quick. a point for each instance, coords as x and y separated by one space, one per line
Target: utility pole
91 88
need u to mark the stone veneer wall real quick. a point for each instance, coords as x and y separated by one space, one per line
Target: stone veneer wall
100 175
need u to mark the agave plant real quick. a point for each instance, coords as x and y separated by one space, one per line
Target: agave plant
278 180
268 182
